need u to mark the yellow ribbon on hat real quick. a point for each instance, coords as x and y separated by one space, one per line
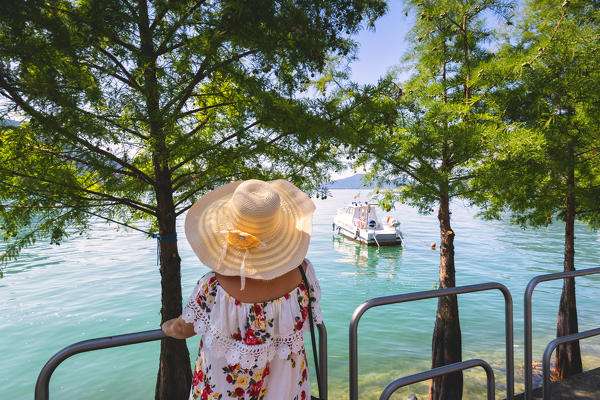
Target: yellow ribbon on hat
244 241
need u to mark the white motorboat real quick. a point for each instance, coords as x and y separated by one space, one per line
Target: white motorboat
359 221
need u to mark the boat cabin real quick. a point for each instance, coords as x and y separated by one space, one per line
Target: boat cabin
363 215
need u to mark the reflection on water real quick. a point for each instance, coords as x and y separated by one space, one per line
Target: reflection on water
367 258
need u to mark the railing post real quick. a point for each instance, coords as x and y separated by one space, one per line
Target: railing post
353 336
379 301
528 357
548 354
443 370
323 359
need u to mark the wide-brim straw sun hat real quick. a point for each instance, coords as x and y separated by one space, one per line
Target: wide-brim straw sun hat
252 228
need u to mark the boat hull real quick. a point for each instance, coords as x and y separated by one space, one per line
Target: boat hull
370 237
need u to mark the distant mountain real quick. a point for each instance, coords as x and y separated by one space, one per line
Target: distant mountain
352 182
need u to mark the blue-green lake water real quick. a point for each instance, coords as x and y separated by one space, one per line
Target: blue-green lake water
108 283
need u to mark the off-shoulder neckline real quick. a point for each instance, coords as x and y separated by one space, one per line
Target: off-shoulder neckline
280 298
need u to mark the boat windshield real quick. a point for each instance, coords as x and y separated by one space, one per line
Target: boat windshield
367 212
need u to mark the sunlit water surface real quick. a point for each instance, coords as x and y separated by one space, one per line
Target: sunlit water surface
108 283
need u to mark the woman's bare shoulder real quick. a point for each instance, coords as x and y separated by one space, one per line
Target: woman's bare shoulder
259 290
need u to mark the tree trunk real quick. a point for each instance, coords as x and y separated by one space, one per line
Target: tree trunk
568 355
446 344
174 374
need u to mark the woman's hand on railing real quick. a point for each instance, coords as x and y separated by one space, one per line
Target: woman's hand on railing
177 328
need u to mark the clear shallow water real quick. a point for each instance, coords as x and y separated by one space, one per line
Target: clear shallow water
108 283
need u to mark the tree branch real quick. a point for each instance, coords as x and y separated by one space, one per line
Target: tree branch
118 41
192 178
106 71
48 122
145 208
453 22
587 150
113 123
195 110
197 128
159 17
116 61
175 27
131 8
111 156
187 196
587 211
185 94
108 34
399 167
222 141
171 48
36 207
196 190
554 32
84 162
461 178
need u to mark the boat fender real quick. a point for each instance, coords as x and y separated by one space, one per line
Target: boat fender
362 222
333 226
356 234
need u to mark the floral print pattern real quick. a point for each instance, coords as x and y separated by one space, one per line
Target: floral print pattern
251 326
206 296
247 383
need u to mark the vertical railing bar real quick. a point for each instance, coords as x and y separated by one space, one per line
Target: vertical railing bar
527 327
323 359
548 354
491 383
509 338
380 301
439 371
528 356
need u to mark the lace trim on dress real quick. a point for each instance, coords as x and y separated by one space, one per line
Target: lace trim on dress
251 334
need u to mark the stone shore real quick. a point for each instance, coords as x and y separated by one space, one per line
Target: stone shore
584 386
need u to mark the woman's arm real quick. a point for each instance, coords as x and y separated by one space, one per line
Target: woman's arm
177 328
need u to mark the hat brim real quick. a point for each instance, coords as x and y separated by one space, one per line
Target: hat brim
280 251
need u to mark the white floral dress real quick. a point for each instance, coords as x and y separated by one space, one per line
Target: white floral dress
252 351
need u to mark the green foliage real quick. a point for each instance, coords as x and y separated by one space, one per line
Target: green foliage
427 135
128 109
553 97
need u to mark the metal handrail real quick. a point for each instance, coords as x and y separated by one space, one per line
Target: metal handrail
546 395
401 298
43 381
439 371
527 319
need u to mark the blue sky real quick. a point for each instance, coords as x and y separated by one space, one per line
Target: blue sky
382 48
379 50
